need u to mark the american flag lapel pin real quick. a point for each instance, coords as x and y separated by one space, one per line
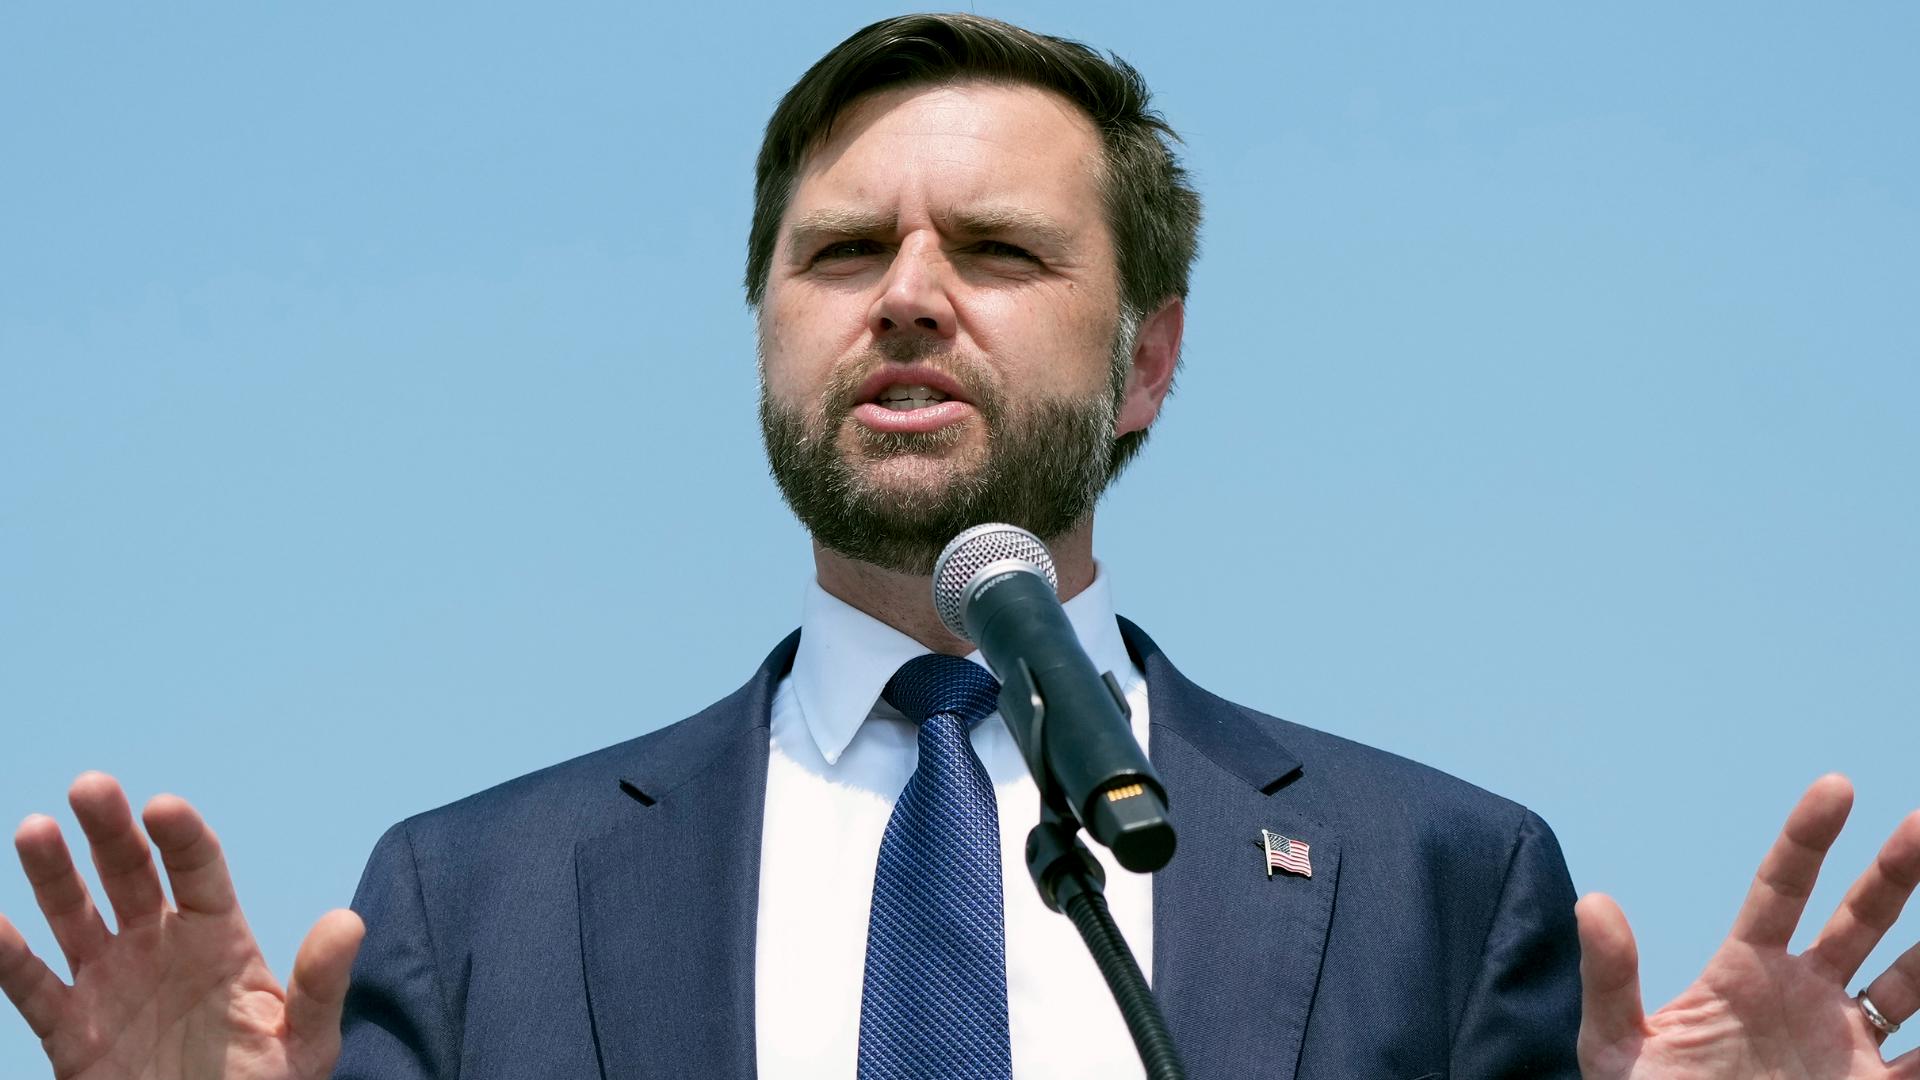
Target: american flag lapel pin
1285 853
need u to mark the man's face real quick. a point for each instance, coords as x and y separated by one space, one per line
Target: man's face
941 327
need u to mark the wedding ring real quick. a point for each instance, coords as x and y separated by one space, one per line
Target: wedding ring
1879 1021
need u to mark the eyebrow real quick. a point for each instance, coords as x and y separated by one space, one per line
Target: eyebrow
817 226
1001 220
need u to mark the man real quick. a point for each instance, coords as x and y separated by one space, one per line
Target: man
968 261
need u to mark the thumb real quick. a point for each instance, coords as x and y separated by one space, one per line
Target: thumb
318 989
1610 1010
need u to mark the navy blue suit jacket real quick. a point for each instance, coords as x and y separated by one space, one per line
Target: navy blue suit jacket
597 918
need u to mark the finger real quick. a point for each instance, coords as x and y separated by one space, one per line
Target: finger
1896 993
318 988
196 869
1873 904
60 891
1905 1067
1779 893
1610 1009
120 851
29 983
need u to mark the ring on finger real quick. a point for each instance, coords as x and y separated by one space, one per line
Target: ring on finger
1874 1016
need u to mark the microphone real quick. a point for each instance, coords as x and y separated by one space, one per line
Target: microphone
995 586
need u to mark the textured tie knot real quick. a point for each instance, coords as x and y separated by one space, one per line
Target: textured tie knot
936 684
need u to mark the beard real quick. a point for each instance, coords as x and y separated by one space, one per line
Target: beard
1046 462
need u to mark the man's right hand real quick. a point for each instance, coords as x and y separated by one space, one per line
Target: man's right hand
181 990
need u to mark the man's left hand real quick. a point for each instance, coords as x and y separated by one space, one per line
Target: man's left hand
1758 1011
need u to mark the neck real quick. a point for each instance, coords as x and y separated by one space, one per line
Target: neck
905 601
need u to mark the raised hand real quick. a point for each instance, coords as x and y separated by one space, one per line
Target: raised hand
1757 1011
178 991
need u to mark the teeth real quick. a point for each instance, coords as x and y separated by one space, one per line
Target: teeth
908 398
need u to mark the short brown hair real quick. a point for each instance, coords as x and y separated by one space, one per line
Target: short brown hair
1152 210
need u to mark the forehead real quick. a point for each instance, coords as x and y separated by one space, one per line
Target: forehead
947 147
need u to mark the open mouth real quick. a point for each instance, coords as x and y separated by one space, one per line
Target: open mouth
914 398
907 398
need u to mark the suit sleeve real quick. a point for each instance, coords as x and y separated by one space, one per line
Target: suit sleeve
397 1023
1522 1016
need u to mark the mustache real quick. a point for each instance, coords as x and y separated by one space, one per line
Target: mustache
842 392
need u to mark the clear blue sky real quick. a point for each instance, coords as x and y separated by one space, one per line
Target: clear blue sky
376 408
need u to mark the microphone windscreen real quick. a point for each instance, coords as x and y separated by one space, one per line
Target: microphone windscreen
963 558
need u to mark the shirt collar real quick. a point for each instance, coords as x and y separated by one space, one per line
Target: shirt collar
846 657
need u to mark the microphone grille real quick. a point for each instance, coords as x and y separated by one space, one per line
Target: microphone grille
981 546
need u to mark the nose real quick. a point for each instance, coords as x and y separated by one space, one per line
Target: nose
914 296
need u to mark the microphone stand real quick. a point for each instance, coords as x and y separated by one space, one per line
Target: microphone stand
1071 880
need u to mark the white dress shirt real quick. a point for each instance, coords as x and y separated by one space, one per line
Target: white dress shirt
840 758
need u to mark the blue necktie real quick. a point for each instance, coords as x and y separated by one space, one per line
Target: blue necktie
935 999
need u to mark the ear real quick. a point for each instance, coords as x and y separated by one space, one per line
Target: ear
1156 352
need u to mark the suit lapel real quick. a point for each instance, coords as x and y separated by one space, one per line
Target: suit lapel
668 890
1236 954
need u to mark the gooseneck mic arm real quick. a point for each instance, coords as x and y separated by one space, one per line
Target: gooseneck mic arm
994 585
